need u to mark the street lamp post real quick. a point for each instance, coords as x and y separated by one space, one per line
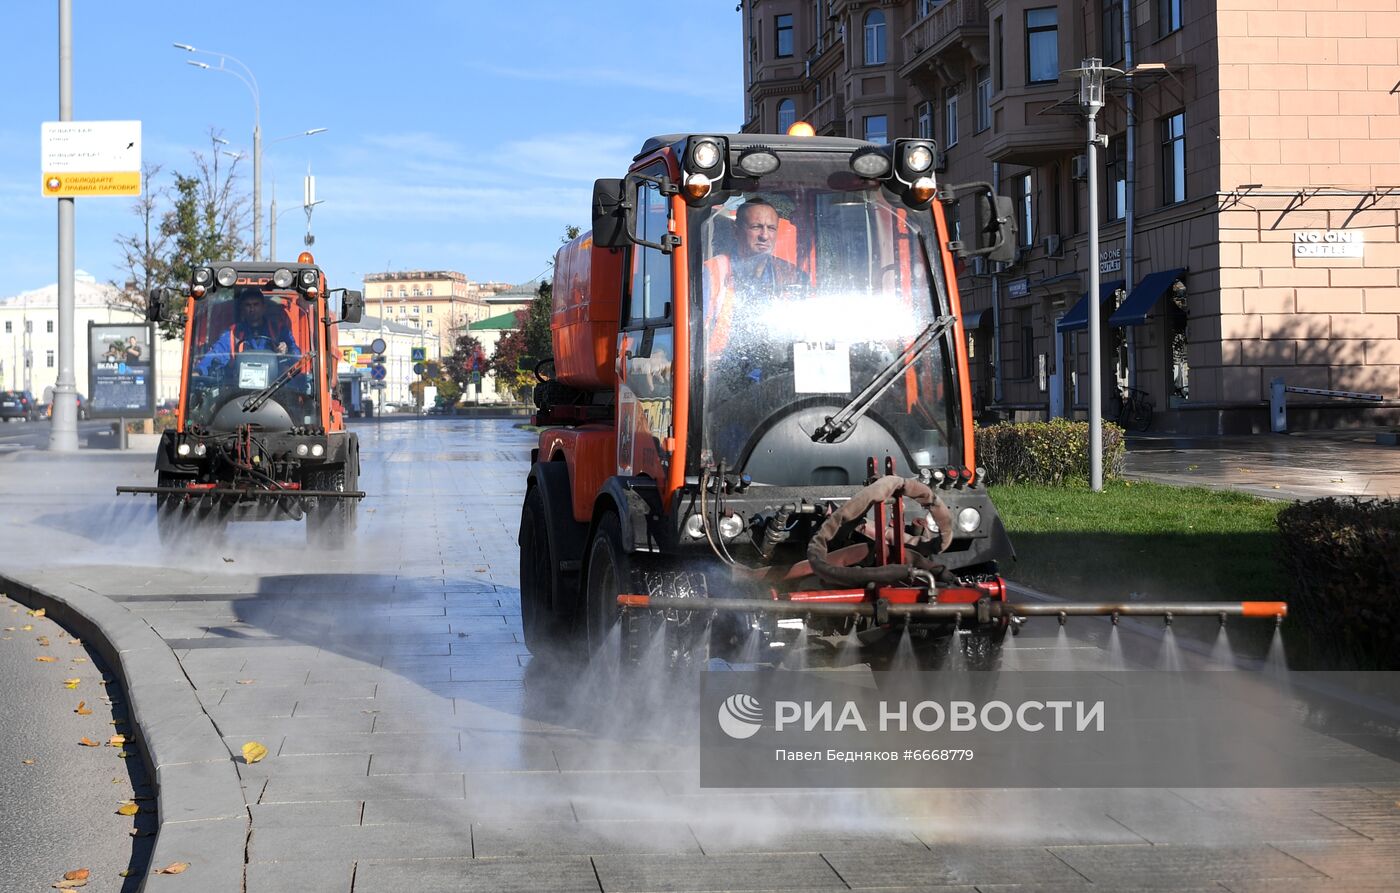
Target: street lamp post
251 83
1092 75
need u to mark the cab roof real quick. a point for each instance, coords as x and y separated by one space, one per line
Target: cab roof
741 141
268 267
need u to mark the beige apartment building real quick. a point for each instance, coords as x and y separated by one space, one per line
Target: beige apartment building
441 302
1249 186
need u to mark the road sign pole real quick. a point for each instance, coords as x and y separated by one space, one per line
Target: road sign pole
63 435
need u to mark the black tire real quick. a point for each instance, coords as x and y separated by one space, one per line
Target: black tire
331 520
546 631
608 571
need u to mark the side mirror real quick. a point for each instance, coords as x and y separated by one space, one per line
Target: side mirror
609 215
996 227
352 307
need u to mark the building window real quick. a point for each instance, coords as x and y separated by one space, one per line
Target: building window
9 327
984 98
875 37
430 323
787 114
28 326
950 117
782 35
1112 31
1025 190
877 128
48 358
429 308
1116 165
428 290
1173 129
1027 344
1168 16
48 326
415 309
952 216
924 117
403 291
1042 46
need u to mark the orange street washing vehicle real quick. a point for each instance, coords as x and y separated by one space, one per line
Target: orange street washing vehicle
758 422
259 433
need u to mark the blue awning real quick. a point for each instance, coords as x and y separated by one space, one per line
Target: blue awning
1134 311
974 319
1078 315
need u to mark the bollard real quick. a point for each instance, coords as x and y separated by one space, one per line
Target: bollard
1278 411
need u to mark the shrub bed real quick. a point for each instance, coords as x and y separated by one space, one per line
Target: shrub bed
1052 452
1342 556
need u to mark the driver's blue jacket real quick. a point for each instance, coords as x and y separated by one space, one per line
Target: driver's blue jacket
245 338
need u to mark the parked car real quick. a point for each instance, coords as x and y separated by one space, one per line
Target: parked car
18 405
82 409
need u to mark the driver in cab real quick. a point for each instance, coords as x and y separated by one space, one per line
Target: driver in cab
253 330
741 287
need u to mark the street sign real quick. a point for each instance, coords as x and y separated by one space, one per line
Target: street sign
350 355
377 372
88 158
377 385
418 368
418 355
377 346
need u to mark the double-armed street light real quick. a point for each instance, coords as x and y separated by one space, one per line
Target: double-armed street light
251 82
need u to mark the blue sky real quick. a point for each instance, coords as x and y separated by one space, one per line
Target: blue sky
462 135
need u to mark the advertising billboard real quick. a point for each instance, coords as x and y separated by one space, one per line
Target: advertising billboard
121 371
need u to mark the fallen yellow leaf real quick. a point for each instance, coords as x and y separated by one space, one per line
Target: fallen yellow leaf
75 641
77 874
82 709
38 612
128 809
173 868
27 627
44 640
9 629
79 660
71 683
69 885
246 681
116 741
44 659
88 742
27 762
253 751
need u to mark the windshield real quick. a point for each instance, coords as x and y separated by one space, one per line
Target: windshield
242 341
810 287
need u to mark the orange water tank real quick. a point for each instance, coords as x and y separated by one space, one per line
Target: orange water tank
587 307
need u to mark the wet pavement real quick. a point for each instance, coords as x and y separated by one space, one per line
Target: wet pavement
413 743
1277 466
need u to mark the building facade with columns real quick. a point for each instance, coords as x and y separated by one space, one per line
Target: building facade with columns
441 302
1249 196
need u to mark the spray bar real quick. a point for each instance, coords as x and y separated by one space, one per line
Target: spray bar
242 491
988 608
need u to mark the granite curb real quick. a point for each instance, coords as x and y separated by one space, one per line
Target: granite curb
203 818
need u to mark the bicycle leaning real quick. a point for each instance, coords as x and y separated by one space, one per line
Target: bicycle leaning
1134 410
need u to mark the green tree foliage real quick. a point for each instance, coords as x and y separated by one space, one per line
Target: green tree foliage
467 357
192 222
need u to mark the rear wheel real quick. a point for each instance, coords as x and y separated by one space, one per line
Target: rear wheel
545 629
331 521
607 570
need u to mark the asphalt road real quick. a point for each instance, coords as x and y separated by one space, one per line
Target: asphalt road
58 798
414 744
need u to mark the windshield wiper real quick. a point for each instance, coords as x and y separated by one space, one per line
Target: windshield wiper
255 402
838 427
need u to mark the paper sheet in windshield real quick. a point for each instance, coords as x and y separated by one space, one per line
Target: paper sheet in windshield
821 367
252 375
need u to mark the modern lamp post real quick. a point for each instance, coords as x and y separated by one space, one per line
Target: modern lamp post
251 83
1092 74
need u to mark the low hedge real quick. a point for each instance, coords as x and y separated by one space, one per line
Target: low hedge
1343 558
1053 452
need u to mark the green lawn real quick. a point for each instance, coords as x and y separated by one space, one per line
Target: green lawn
1138 537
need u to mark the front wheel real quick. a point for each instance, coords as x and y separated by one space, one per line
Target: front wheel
332 520
544 628
607 570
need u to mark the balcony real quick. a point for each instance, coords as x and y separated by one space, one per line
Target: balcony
828 117
958 26
1034 124
825 54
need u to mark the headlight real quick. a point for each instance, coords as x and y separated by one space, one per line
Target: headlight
758 162
704 156
922 190
203 277
918 158
308 281
694 526
870 162
302 449
200 449
697 186
969 519
226 276
182 450
731 526
318 451
282 278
